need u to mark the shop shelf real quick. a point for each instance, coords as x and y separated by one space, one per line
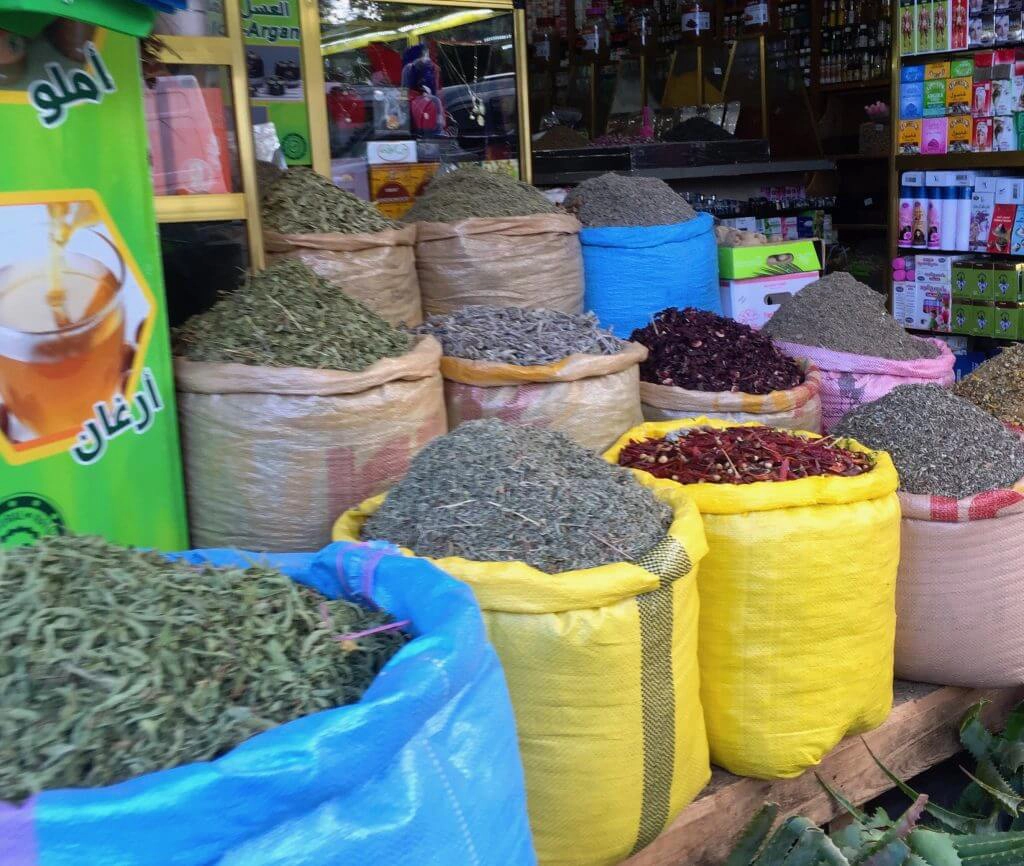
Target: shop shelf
1000 159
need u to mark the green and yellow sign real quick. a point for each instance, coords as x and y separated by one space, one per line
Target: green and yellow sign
88 433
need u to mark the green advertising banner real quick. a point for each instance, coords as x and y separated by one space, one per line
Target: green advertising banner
88 433
272 40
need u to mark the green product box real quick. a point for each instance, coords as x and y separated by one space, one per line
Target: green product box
771 260
89 434
935 98
1005 282
960 316
962 68
1008 321
961 278
980 284
982 320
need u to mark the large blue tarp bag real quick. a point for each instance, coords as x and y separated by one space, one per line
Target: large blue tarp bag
634 272
423 771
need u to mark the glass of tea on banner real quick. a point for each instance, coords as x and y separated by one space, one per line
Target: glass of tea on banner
62 318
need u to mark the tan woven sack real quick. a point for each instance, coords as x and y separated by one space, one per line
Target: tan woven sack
378 269
960 592
592 399
796 408
527 261
274 454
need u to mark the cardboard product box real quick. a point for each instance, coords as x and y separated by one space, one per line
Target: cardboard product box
910 136
1018 125
981 139
773 229
960 278
960 316
980 281
983 201
934 131
938 71
982 321
959 129
912 74
1002 63
962 68
934 100
1002 96
981 101
1017 86
912 100
1006 282
940 25
739 263
352 176
958 95
959 19
753 301
1009 323
805 227
903 302
1017 237
999 233
923 25
908 27
983 60
935 309
1004 135
398 152
393 188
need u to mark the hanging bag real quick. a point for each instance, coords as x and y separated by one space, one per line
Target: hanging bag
592 399
602 669
797 619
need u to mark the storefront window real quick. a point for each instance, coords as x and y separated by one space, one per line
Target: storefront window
416 85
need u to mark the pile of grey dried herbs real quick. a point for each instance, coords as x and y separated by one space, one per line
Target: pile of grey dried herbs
287 316
941 444
117 662
837 312
495 492
614 200
476 192
300 201
997 386
512 335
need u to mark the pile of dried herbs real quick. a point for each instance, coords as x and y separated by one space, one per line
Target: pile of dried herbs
301 201
699 351
742 455
941 444
495 492
997 386
614 200
287 316
512 335
117 662
837 312
476 192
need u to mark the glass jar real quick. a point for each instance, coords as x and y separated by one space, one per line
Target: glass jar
696 17
593 35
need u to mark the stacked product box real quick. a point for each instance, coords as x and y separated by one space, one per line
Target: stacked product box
755 280
922 292
988 298
804 226
935 25
973 104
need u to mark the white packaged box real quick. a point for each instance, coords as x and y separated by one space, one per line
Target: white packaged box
753 301
390 152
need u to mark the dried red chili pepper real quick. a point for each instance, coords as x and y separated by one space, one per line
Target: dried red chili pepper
700 351
742 455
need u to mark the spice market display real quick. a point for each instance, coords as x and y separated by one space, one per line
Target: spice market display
479 437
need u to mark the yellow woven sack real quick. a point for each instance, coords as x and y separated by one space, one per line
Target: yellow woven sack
797 619
602 668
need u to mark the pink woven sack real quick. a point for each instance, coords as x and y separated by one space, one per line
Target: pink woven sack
848 380
960 590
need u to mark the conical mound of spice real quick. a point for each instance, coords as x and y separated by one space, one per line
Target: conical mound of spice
476 192
837 312
941 444
512 335
301 201
742 455
614 200
997 386
496 492
287 316
118 662
699 351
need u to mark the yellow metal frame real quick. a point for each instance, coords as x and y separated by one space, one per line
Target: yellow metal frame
313 76
226 51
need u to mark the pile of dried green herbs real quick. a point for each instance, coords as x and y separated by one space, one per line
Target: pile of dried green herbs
287 316
476 192
301 201
997 386
493 491
117 662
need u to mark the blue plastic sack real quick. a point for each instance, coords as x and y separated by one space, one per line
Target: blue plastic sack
632 273
423 770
